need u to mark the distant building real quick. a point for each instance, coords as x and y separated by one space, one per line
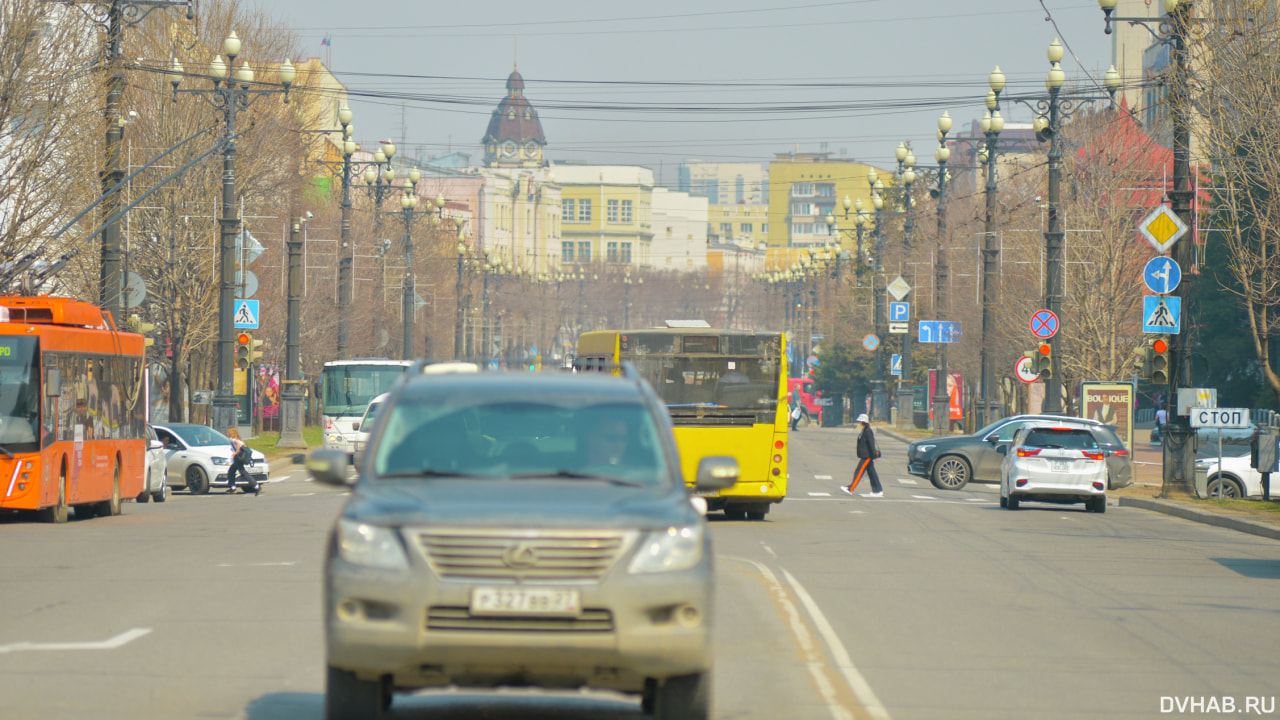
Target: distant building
745 225
514 137
679 231
1016 146
608 214
724 183
806 187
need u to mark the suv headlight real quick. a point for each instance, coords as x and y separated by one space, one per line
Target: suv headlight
676 548
370 546
220 460
922 449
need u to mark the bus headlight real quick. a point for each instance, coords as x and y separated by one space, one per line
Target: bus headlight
370 546
676 548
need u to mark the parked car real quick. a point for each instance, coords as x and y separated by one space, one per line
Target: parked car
524 529
1208 437
1237 477
156 480
1053 463
951 461
198 457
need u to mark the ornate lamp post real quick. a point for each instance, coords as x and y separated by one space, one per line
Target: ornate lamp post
229 96
992 123
291 395
941 397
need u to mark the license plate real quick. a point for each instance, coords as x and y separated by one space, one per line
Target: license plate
524 601
1058 466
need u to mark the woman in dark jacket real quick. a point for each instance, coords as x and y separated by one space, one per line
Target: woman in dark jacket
868 451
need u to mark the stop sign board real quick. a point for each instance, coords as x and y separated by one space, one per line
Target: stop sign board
1025 370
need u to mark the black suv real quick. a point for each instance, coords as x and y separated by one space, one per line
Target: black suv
519 529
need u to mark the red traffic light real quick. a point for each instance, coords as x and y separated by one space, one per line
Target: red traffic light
1045 349
1160 346
243 339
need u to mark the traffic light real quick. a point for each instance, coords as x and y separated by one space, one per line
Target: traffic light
1142 361
1044 361
255 353
244 345
135 324
1160 362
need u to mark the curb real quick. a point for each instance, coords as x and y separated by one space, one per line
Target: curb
280 464
1201 516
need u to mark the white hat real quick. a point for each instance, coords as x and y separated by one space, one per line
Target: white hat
863 418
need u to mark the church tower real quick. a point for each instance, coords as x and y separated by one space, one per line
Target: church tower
514 137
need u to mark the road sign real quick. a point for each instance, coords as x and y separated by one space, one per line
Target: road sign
899 312
1044 324
899 328
871 342
939 331
246 314
1025 369
135 289
895 365
1162 228
1162 275
1219 417
898 288
248 247
1161 314
248 282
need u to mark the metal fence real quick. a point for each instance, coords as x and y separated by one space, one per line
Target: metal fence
1265 418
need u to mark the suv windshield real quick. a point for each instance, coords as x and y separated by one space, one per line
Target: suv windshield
1060 438
431 436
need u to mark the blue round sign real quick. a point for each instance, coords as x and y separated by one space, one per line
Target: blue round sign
871 342
1162 275
1044 324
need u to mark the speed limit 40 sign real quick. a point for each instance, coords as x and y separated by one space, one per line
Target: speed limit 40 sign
1025 369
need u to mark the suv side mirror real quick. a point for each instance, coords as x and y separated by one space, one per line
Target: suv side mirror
717 472
328 466
155 445
1002 449
356 426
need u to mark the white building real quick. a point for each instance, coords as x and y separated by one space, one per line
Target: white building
679 231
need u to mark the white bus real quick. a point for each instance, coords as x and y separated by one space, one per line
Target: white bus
346 388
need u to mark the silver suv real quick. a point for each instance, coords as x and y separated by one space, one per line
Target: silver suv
516 529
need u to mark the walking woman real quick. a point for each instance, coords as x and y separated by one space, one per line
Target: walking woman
240 455
868 451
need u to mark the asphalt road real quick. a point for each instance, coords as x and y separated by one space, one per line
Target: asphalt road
922 604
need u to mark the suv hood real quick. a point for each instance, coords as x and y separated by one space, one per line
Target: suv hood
946 442
518 504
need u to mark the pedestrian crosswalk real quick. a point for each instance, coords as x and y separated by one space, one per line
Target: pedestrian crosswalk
907 492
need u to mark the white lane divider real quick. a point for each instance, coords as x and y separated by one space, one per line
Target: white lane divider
857 683
924 497
976 499
118 641
908 481
287 563
821 477
819 494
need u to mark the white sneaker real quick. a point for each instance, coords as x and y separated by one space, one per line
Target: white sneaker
874 494
846 490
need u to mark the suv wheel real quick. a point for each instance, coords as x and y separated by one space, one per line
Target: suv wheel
951 473
687 697
347 697
1098 503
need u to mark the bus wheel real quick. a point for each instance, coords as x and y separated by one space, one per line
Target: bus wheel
757 512
197 482
734 512
111 507
58 513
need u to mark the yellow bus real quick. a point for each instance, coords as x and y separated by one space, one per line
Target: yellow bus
726 392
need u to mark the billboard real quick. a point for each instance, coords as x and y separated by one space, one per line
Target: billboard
955 381
1110 403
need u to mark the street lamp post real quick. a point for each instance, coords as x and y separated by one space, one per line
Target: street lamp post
291 405
378 176
233 90
992 123
941 397
1172 31
906 392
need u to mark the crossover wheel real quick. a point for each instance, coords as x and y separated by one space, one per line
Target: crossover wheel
687 697
1012 503
145 495
197 481
951 473
1230 488
1098 504
1004 501
347 697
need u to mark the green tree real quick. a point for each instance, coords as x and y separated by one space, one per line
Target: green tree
845 369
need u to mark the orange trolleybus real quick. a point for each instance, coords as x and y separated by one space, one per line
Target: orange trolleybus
72 425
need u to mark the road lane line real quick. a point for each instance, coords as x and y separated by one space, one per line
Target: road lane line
120 640
924 497
976 499
768 549
857 683
813 658
819 494
821 477
908 481
261 564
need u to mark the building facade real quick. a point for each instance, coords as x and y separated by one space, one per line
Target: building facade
745 225
679 231
514 137
724 183
608 214
806 187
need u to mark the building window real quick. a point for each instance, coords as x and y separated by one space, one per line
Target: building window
611 252
584 251
626 211
740 187
764 228
584 210
626 253
826 190
802 190
613 211
566 252
511 114
567 204
746 228
726 228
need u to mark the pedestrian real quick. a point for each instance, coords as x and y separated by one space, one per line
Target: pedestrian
868 451
795 412
1162 417
241 455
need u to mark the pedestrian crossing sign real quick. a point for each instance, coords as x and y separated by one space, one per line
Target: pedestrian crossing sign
1161 314
246 314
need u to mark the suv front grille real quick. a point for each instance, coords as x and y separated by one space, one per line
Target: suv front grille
552 556
460 618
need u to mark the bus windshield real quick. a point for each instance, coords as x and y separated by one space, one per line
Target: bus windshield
19 394
736 383
347 389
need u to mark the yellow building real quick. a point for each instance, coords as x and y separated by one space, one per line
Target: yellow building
746 225
805 187
607 214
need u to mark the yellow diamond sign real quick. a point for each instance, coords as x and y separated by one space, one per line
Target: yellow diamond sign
1162 228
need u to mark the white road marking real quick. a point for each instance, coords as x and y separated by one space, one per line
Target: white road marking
857 683
819 494
768 550
857 512
908 481
976 499
821 477
924 497
814 660
120 640
300 494
264 564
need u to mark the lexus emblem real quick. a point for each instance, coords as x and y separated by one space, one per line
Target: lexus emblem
520 555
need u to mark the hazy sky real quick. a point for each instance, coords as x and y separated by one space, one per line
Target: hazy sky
655 83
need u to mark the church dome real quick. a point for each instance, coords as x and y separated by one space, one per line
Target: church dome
514 135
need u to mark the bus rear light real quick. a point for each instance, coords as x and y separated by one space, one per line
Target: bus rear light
777 445
777 458
1020 483
777 472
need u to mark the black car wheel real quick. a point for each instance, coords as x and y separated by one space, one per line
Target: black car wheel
347 697
1012 503
1230 488
951 473
197 481
686 697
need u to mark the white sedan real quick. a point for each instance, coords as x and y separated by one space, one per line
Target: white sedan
1238 479
199 457
156 482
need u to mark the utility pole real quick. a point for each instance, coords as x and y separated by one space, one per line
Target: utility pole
291 397
941 396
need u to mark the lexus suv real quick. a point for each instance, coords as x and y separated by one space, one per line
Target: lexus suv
519 529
